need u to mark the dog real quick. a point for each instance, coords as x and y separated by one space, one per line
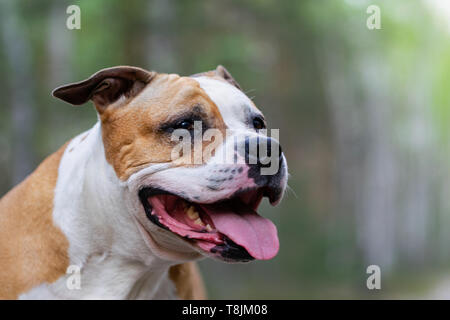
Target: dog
114 215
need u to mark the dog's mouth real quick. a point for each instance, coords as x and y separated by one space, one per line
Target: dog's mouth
230 228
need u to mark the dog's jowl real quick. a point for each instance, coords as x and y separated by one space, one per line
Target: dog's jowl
126 210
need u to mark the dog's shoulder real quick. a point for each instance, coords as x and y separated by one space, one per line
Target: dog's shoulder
188 281
32 249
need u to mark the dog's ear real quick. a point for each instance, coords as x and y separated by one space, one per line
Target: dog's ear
106 86
222 73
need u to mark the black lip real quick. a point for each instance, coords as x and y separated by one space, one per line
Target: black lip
143 196
229 250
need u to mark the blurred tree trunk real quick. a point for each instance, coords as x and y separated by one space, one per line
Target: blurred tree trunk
59 45
21 85
383 174
377 214
365 164
161 50
418 162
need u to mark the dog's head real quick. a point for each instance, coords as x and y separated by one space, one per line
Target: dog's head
195 157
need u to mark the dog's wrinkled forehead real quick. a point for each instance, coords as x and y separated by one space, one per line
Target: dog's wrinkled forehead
236 109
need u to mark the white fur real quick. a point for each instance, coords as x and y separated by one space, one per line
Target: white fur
120 252
232 102
90 207
234 107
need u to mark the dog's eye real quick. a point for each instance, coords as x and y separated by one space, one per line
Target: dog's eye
258 123
187 124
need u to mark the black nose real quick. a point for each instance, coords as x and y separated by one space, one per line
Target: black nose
258 150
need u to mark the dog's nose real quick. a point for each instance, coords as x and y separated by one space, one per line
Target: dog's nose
258 150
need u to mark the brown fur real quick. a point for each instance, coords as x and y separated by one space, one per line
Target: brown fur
32 249
132 142
188 281
130 128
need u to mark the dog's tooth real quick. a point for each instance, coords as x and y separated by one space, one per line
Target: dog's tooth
191 213
208 228
199 222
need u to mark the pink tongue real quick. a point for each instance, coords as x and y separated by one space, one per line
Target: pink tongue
256 234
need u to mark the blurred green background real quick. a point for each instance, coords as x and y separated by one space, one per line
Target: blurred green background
363 118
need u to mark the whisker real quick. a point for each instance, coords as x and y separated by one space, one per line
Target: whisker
290 189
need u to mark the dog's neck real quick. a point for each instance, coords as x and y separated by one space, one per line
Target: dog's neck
104 242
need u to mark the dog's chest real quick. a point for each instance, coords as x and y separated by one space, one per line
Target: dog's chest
109 278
